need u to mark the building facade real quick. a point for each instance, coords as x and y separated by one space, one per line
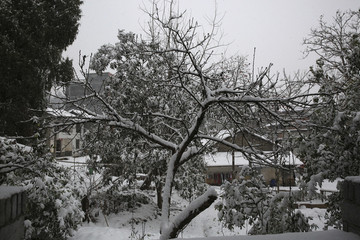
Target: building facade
225 164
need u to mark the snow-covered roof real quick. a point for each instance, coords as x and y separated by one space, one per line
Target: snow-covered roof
223 134
225 159
291 159
73 113
81 113
59 112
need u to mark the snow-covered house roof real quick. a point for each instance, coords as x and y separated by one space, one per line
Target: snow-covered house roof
223 134
225 159
76 89
72 113
59 112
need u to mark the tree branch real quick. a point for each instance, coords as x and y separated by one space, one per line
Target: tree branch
189 213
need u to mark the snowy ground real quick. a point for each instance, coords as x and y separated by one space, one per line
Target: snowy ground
321 235
146 224
205 225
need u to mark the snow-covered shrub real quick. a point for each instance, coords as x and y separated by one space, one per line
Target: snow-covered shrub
13 156
333 214
190 180
250 200
53 209
114 200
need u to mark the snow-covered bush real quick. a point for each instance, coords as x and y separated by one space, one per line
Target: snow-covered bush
333 216
117 198
250 200
13 156
53 209
121 154
190 180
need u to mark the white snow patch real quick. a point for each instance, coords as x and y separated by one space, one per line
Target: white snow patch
58 112
331 185
355 179
324 235
8 191
225 159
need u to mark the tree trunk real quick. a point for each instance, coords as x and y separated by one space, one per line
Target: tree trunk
158 186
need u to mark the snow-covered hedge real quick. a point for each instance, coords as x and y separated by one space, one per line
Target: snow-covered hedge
118 198
53 208
249 199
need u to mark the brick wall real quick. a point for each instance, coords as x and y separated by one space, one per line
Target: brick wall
12 205
351 206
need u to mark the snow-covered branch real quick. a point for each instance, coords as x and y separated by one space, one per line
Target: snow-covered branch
176 225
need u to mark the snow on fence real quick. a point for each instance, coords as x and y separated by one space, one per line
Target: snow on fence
351 205
12 206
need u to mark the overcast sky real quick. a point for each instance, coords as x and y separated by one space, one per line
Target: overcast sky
275 27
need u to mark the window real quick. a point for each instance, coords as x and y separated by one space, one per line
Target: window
78 128
77 143
58 145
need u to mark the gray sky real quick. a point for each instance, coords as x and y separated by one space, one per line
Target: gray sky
275 27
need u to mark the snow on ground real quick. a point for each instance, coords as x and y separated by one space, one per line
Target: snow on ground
204 225
324 235
145 222
331 186
120 226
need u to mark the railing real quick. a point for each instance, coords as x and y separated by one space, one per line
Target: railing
351 205
12 206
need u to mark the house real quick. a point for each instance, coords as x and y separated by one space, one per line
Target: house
76 90
297 124
226 164
64 139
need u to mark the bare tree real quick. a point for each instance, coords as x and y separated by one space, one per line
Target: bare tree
175 93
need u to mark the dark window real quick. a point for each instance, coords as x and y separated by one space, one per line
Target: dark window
58 145
77 143
78 128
